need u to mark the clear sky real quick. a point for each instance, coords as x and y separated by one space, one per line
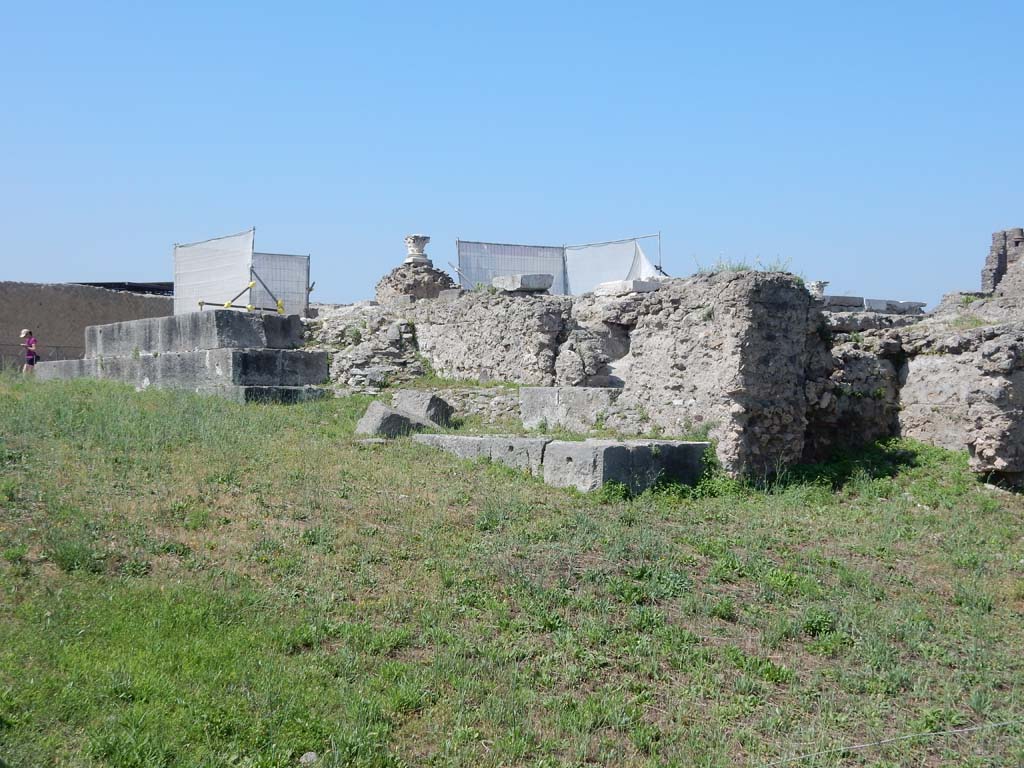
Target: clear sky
875 145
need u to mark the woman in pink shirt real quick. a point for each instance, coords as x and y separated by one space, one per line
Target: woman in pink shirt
31 356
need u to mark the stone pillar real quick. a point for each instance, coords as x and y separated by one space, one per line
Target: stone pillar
415 245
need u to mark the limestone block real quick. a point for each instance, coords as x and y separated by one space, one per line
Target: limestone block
212 329
637 464
536 282
577 409
516 452
192 370
623 287
844 302
450 294
379 419
424 405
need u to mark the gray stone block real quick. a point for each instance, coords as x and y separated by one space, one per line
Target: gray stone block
577 409
195 370
637 464
379 419
213 329
423 404
450 294
624 287
536 282
517 452
845 302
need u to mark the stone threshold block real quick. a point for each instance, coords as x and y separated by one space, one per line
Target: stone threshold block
212 329
624 287
522 283
516 452
577 409
198 370
637 464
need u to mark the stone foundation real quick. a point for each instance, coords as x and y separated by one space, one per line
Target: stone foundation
241 356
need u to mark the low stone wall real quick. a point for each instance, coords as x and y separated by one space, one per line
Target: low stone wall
58 315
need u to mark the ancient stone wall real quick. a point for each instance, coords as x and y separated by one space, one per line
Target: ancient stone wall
487 337
58 315
725 353
1004 268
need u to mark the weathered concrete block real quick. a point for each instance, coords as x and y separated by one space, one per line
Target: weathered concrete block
538 282
637 464
423 404
623 287
379 419
577 409
213 329
517 452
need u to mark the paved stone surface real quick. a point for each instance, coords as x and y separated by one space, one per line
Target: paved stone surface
381 420
423 404
537 282
637 464
577 409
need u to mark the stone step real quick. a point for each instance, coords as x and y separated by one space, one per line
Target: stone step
517 452
212 329
585 465
198 370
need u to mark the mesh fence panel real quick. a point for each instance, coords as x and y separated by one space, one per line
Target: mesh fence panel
479 263
212 270
287 276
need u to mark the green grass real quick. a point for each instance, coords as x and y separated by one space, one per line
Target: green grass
191 582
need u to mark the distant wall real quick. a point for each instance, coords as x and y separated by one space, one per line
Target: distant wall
59 313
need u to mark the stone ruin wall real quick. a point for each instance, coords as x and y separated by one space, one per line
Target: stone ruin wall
1003 273
751 359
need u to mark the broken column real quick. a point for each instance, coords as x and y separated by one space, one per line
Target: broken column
415 278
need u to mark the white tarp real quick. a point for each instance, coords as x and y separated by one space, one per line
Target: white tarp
213 271
588 266
642 268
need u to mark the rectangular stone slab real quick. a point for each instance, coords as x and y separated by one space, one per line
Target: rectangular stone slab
577 409
537 282
517 452
196 370
637 464
212 329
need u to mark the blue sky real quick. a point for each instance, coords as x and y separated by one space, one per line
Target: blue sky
876 145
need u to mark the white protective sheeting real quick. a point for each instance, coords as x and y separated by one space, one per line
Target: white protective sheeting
642 268
213 271
590 265
287 276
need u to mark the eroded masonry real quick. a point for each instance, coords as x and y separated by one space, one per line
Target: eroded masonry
773 372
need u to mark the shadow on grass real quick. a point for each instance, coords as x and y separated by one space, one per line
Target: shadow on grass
882 459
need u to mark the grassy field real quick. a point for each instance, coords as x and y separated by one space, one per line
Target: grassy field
189 582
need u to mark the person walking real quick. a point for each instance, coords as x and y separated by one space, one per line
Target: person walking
31 354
